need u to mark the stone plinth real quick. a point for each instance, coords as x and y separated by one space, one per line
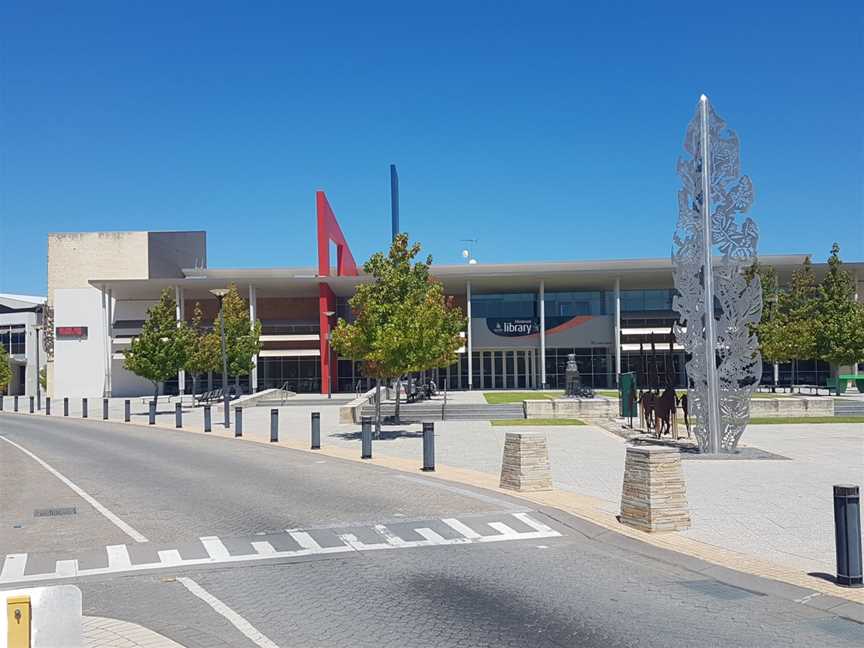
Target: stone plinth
654 496
525 465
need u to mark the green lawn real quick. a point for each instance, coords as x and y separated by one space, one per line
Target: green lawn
517 422
777 420
497 398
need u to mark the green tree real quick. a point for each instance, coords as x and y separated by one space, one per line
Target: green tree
205 354
163 346
403 322
43 378
839 335
5 369
242 338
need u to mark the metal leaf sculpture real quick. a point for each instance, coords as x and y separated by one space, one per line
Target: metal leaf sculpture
716 309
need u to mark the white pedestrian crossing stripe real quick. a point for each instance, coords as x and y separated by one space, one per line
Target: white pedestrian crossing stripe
117 558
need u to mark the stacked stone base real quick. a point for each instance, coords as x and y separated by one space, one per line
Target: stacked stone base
654 496
525 465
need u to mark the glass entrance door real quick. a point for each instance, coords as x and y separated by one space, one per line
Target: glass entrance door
505 369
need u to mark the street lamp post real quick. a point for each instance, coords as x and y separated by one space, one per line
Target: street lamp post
220 295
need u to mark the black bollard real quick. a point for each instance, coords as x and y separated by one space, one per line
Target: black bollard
127 411
847 535
32 404
428 446
207 420
151 419
178 415
238 421
366 437
316 430
47 406
83 408
274 425
2 398
65 406
15 404
104 409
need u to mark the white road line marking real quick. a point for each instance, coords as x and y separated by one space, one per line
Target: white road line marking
116 521
118 557
235 619
534 524
463 529
215 548
504 530
169 557
263 547
391 537
305 540
13 566
66 568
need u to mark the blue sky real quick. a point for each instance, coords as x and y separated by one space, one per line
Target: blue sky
545 130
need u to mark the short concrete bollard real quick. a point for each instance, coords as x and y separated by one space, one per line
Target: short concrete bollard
654 496
316 430
208 421
32 404
238 421
274 425
65 407
83 408
428 446
847 535
178 415
104 409
15 404
366 437
525 463
127 411
151 413
47 406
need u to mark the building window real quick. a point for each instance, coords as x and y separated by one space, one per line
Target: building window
301 374
593 363
640 301
504 305
569 304
13 340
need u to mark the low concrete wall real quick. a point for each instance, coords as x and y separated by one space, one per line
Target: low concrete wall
801 406
571 408
350 412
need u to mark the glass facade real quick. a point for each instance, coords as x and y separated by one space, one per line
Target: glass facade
589 302
657 369
596 367
647 301
797 372
504 305
300 374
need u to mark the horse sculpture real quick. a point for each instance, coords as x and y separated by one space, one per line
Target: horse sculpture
647 401
665 408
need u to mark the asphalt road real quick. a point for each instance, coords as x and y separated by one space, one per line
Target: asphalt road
290 546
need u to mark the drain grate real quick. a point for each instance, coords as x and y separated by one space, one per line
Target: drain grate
54 512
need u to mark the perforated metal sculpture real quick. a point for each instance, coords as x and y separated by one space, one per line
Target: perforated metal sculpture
725 366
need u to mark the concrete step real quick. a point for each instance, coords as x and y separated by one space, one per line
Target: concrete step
437 411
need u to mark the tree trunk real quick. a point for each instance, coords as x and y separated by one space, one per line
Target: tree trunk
194 385
398 399
209 381
377 408
156 393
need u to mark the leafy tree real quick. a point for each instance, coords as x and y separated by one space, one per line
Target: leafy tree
839 334
206 352
162 349
5 369
242 339
403 322
43 378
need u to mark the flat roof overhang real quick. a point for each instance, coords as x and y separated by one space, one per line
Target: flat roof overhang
492 277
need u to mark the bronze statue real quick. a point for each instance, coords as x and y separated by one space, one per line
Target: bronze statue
575 388
665 408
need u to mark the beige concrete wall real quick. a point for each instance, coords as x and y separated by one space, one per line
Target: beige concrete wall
77 257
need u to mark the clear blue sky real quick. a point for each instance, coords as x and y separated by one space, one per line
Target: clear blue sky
547 131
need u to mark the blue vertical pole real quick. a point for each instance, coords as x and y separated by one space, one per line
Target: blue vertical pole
394 199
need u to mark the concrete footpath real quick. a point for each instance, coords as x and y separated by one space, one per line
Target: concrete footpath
771 516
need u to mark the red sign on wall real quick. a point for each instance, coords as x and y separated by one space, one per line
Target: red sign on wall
71 332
